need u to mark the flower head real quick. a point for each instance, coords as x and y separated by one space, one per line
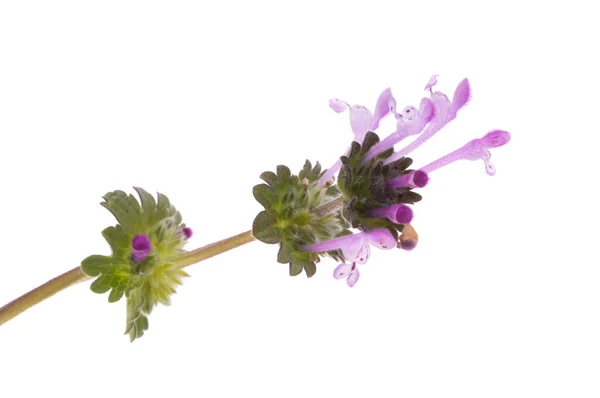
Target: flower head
376 189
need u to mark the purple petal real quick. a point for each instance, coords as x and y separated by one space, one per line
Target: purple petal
444 112
489 167
432 82
342 271
361 120
416 179
399 214
462 95
345 243
338 105
496 138
425 114
384 104
353 277
363 254
381 238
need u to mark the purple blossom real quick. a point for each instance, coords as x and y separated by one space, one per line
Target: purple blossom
187 232
140 247
361 121
444 112
431 116
477 149
415 179
356 250
399 214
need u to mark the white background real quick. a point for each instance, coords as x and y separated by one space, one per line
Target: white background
195 99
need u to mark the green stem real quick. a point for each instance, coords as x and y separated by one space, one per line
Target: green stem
76 275
208 251
329 207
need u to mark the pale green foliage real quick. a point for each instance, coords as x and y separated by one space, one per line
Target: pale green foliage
152 280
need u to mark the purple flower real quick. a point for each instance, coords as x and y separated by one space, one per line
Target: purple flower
140 247
356 250
477 149
399 214
187 232
361 121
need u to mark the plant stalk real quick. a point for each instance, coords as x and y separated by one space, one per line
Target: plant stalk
76 275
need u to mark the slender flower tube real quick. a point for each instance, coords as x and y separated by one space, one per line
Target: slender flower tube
399 214
356 250
416 179
477 149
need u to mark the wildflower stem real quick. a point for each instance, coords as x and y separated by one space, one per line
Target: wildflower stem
329 207
41 293
208 251
76 275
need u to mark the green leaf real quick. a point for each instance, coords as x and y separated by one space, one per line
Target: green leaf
264 229
296 267
310 268
115 295
284 255
119 241
101 285
95 264
125 208
265 195
269 177
137 321
283 172
370 139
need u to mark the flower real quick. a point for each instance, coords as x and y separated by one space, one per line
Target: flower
187 232
356 249
375 181
361 121
140 247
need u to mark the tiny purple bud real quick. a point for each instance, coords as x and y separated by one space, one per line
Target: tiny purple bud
416 179
140 247
187 232
399 214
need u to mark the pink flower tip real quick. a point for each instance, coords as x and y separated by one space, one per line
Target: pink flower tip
420 178
140 247
496 138
187 232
